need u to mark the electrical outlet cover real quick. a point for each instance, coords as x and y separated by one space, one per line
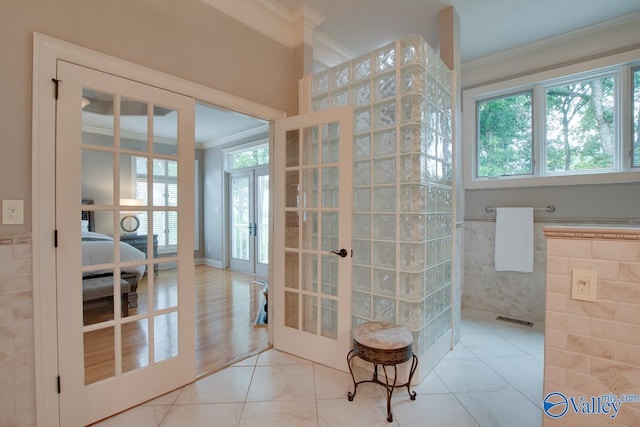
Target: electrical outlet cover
13 212
584 284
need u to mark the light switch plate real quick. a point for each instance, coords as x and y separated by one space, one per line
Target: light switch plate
584 284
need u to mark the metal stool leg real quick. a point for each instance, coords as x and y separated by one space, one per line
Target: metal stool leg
350 357
389 388
414 365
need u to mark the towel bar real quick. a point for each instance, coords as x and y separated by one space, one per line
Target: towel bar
550 208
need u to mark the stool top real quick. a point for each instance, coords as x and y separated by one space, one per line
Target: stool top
382 336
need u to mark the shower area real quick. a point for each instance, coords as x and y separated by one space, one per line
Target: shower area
403 228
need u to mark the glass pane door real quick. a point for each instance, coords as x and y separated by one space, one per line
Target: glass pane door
124 168
241 222
249 218
312 268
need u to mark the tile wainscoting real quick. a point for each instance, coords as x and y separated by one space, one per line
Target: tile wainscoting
17 366
519 295
593 348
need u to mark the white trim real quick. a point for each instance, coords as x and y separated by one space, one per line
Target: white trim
212 263
260 130
265 16
244 147
288 27
329 52
44 261
46 52
471 96
587 42
305 20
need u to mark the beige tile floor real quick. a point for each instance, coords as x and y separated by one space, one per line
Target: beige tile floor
493 378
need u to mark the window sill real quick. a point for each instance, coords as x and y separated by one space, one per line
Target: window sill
543 181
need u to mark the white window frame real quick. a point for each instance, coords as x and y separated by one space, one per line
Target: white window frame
621 64
227 152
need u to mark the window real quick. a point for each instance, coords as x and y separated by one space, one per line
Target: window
580 125
256 156
505 136
564 126
165 193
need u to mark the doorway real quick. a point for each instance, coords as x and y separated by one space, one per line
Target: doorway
47 52
229 302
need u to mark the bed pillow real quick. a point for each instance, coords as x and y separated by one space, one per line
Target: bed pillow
84 226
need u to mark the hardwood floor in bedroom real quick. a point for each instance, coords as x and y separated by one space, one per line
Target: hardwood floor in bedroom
227 304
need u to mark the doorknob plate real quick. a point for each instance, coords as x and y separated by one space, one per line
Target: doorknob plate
342 252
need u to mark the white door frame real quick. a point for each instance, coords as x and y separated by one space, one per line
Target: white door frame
46 52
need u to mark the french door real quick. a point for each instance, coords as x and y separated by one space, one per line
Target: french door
312 238
249 218
125 310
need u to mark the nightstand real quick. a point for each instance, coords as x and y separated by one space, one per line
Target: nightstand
139 241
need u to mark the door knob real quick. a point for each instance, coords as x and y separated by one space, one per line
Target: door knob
341 252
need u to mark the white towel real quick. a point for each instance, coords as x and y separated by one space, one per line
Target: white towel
514 239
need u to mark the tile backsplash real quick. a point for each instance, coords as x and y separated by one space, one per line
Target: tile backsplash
17 369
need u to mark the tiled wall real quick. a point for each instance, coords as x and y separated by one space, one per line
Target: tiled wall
593 348
17 371
519 295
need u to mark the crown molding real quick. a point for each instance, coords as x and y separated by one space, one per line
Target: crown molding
586 42
257 131
288 27
127 135
329 52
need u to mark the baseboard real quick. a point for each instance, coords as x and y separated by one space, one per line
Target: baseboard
212 263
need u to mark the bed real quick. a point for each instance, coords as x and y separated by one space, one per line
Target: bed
97 249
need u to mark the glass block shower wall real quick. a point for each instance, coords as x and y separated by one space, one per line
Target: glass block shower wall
402 176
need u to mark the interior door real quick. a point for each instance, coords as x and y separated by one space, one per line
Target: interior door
124 173
249 216
312 235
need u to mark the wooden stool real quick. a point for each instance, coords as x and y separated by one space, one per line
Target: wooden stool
386 345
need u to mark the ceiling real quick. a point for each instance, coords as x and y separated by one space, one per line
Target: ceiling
486 27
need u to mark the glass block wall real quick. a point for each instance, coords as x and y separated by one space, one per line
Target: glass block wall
402 176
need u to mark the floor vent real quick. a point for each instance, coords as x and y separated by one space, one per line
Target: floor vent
516 321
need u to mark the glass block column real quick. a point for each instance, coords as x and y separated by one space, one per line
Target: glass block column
402 176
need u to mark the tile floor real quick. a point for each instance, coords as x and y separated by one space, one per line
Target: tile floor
493 378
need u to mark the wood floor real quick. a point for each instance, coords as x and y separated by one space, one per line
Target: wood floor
226 306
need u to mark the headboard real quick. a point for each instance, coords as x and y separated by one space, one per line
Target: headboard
89 215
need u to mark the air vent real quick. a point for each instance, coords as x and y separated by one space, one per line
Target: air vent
516 321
